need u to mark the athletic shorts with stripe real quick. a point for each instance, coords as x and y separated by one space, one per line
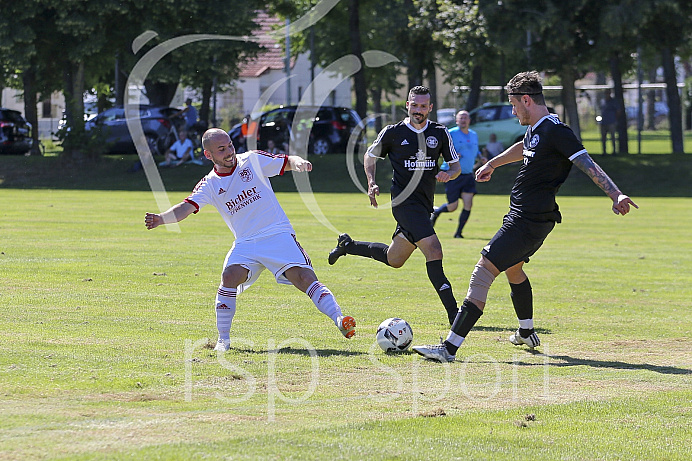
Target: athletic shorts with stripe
277 253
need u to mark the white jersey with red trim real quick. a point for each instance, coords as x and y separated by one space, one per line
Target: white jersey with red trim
245 197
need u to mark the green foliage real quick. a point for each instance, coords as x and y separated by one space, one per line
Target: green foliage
78 143
381 26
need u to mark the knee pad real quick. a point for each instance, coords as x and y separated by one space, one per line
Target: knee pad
481 279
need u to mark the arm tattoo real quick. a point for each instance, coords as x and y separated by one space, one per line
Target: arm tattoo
586 164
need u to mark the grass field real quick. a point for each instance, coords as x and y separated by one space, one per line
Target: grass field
106 332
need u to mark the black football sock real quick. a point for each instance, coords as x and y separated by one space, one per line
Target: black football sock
522 299
466 318
443 288
463 217
377 251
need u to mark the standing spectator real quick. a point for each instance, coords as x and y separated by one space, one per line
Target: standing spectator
264 238
547 152
464 186
189 113
414 146
609 118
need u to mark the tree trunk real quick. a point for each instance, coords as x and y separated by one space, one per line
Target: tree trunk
413 53
651 103
361 87
120 82
160 93
432 83
475 93
620 102
73 77
569 98
376 96
30 110
674 108
204 109
688 97
503 70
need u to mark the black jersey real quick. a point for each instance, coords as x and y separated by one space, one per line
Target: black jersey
549 148
414 155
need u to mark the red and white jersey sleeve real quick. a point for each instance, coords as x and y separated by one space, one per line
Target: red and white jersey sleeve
244 197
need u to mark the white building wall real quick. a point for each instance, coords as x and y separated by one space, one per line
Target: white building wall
331 90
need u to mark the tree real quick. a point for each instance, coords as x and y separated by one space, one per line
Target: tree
470 54
668 26
220 61
375 33
71 45
28 53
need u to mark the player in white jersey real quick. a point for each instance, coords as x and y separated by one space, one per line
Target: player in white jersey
238 187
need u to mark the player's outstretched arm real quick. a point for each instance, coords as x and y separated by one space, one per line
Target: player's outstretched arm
621 202
297 163
174 214
370 167
511 155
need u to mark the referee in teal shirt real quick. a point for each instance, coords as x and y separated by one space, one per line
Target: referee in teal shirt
464 186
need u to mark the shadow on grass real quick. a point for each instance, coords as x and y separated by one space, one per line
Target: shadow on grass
568 361
297 351
543 331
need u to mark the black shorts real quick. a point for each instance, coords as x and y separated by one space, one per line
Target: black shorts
413 221
517 240
463 183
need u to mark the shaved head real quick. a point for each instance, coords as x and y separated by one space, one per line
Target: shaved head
209 135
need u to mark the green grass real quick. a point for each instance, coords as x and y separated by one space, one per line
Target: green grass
105 330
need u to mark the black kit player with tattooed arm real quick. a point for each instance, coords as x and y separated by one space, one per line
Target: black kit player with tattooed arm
414 146
548 151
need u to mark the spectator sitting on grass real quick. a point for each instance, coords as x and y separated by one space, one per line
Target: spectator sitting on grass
180 152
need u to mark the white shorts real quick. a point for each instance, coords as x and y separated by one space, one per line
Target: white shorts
276 253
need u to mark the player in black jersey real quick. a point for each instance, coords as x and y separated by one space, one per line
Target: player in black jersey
548 151
414 147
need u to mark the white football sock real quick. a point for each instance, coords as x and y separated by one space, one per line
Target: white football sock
454 339
324 300
225 310
526 324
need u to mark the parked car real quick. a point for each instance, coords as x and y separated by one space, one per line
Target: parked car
498 119
156 123
15 132
330 132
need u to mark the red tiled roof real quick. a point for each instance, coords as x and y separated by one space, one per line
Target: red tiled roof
271 57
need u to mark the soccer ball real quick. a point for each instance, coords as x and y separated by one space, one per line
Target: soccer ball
394 335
